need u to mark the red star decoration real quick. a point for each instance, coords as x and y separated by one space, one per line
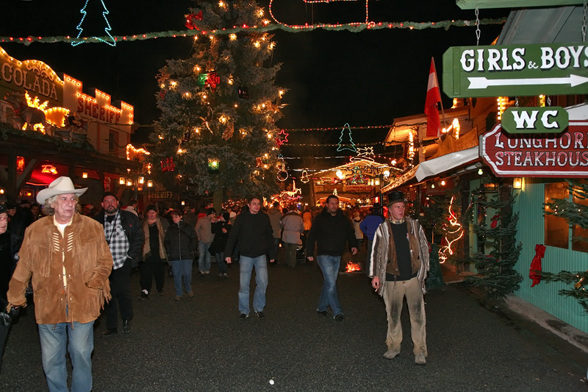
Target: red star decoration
281 140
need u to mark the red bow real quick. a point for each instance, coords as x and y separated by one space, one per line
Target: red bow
535 270
191 18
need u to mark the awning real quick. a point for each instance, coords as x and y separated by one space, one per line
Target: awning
446 162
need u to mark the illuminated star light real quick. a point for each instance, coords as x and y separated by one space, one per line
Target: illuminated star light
281 140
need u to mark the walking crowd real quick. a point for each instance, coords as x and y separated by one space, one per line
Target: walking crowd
78 264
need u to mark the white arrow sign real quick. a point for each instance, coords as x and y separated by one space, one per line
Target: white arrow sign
482 82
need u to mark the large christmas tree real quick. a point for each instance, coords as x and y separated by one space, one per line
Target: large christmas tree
216 133
498 249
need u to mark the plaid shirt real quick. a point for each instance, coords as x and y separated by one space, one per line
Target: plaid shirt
117 241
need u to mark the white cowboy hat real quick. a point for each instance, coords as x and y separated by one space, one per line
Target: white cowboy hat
59 187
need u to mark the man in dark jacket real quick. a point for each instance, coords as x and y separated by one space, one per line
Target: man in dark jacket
124 234
330 230
253 232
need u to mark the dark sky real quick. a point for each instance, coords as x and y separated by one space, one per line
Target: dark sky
333 78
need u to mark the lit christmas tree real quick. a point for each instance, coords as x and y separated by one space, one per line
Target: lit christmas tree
219 108
576 212
499 251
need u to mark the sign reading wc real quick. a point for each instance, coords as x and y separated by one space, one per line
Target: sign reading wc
535 120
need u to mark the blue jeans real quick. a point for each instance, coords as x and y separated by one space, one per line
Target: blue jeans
182 274
246 265
330 267
203 256
81 344
220 261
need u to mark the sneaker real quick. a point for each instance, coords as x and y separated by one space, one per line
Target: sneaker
260 314
322 312
390 354
144 294
190 294
419 359
225 275
339 317
127 326
243 316
178 298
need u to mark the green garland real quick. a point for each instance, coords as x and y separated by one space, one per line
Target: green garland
352 27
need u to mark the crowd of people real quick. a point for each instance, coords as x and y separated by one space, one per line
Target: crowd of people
79 263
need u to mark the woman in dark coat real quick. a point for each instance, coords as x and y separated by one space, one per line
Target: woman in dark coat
180 245
220 228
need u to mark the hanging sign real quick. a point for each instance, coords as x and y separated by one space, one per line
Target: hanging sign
535 120
516 70
564 155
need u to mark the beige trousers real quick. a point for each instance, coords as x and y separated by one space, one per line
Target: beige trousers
394 293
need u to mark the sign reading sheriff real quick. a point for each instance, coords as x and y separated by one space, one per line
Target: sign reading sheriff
516 70
554 155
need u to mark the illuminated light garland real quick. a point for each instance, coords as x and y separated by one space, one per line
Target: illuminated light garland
356 28
336 128
111 41
330 145
453 221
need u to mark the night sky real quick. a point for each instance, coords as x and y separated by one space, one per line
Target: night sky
333 77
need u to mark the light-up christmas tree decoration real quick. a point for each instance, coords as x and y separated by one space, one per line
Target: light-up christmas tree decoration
345 140
84 11
200 95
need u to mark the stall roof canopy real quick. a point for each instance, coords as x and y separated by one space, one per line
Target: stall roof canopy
445 163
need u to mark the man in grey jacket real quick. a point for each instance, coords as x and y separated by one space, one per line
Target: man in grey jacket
292 226
399 265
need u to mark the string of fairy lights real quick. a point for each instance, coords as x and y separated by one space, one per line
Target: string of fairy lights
352 27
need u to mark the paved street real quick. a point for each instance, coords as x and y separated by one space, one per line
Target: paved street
199 344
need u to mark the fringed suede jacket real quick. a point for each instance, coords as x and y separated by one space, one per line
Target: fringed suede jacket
384 241
69 271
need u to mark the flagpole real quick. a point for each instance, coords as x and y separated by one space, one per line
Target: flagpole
440 101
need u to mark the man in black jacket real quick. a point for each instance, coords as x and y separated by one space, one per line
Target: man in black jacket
253 232
330 230
124 235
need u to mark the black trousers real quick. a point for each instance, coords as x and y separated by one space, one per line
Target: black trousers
151 269
120 288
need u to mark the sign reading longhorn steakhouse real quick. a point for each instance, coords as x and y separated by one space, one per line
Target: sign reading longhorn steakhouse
537 155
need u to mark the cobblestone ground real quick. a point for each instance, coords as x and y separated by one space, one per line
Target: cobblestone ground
199 344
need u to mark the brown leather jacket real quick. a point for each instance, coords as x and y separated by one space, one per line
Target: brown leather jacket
86 256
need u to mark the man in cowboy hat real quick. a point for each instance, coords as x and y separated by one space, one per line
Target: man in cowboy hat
399 265
68 261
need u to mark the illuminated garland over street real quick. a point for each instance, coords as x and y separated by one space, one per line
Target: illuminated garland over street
336 128
352 27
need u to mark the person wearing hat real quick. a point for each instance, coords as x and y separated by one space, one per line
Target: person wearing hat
68 261
124 234
19 218
399 266
154 255
205 238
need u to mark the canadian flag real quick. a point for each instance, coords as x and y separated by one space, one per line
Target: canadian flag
433 96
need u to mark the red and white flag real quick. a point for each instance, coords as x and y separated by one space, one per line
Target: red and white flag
433 97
